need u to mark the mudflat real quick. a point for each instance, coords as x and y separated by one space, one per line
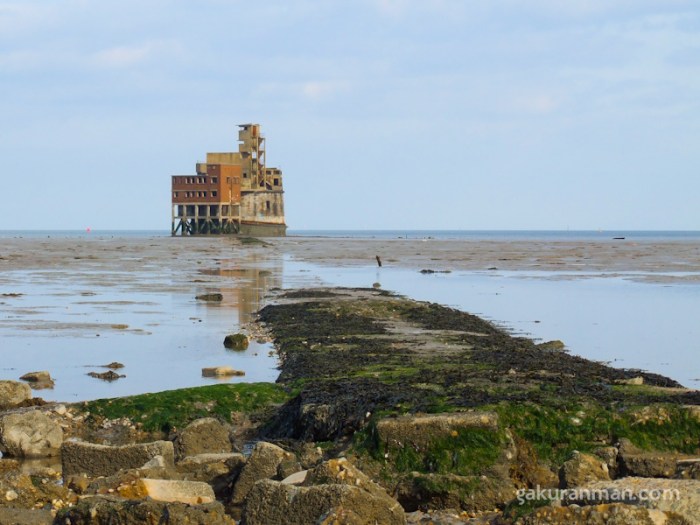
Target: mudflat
649 257
129 253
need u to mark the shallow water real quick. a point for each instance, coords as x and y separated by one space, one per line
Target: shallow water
137 309
69 305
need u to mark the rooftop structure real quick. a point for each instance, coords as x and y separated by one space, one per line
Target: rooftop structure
231 193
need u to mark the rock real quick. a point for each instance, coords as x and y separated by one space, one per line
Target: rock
582 469
681 497
309 455
25 490
342 472
688 469
210 297
218 470
633 461
236 341
273 503
552 346
206 435
190 492
632 381
612 514
288 467
35 377
475 494
94 460
13 393
262 464
103 510
30 434
298 478
420 431
114 365
25 516
221 371
649 465
609 455
230 459
106 376
38 380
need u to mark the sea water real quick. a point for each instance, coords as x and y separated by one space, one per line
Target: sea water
71 322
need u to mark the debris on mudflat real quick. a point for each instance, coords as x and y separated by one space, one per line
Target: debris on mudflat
210 297
114 365
221 371
106 376
236 341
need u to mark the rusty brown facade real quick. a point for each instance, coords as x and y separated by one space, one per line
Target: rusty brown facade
231 193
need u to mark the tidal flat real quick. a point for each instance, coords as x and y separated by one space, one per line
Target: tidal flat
440 414
69 304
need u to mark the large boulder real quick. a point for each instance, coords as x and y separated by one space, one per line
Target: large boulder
263 463
169 490
30 434
473 494
420 431
203 436
646 464
582 469
668 495
274 503
103 510
218 470
608 514
25 516
94 460
13 393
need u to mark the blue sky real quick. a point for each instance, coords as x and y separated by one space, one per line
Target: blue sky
407 114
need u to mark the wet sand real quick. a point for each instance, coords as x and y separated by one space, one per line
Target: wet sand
125 254
677 261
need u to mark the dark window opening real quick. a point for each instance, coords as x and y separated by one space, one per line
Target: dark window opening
276 182
267 205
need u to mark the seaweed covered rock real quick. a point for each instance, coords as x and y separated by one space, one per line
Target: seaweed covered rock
210 297
582 469
236 341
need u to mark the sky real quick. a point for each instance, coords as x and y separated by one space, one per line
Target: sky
383 114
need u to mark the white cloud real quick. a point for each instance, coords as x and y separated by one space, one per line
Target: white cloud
130 56
315 90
